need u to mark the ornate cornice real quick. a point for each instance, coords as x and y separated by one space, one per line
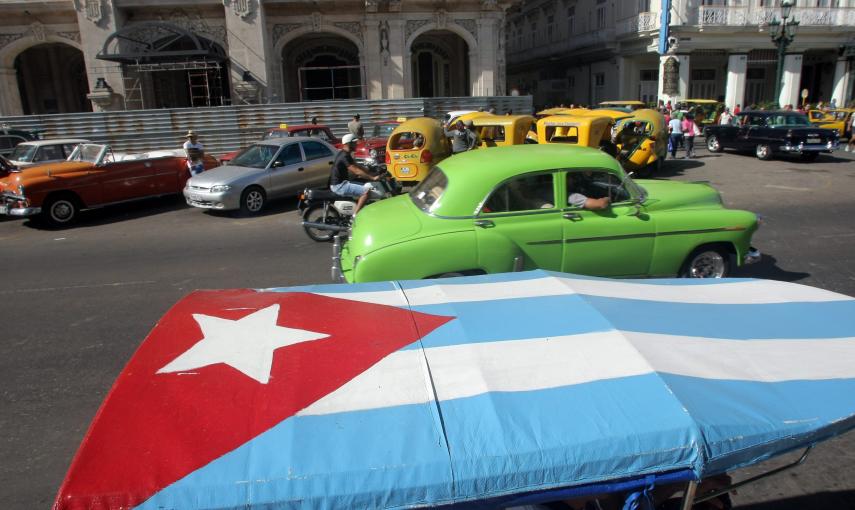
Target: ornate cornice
280 30
412 26
354 27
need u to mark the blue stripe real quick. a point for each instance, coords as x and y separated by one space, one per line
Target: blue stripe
832 319
385 458
739 418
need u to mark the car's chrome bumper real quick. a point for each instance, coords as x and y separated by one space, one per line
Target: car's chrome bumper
16 205
223 201
810 147
751 256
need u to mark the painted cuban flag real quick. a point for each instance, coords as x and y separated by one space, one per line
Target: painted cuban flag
410 394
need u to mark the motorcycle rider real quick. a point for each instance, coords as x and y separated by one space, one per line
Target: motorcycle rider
343 167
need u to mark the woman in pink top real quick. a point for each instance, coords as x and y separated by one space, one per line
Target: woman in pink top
690 129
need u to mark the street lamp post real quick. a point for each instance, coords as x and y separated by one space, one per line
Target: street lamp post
783 32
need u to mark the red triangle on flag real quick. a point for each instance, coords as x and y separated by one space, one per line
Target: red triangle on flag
155 428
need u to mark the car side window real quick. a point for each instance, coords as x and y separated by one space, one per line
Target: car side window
289 155
756 120
68 148
586 184
49 153
526 193
315 150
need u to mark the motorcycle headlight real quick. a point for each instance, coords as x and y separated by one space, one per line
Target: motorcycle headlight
373 153
220 188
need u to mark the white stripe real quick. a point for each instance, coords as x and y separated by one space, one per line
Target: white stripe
748 360
724 293
466 370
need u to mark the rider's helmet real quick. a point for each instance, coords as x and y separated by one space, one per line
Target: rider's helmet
348 138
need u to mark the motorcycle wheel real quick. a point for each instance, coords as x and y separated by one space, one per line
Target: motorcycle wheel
315 214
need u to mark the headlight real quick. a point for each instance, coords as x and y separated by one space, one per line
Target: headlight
21 189
221 188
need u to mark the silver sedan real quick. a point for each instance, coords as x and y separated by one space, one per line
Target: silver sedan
265 170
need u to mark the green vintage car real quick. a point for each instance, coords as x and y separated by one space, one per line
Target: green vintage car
506 209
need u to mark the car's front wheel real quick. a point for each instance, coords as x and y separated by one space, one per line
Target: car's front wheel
713 145
763 152
61 210
706 262
252 200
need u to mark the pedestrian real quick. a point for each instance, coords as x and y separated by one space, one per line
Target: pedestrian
788 108
669 107
675 128
850 147
195 151
314 121
833 103
690 130
462 137
726 118
355 127
737 109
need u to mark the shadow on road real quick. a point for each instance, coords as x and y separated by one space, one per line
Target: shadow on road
768 268
839 500
116 213
271 208
672 167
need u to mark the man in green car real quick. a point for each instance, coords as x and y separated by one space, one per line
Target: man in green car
577 199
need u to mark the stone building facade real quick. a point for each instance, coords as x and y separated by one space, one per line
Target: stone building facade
61 56
587 51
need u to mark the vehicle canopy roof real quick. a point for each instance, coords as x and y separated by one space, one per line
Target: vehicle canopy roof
473 174
501 120
623 103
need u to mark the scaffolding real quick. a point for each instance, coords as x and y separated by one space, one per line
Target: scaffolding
204 82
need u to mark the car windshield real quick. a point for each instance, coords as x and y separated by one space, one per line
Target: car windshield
383 130
24 152
255 156
89 153
787 120
427 195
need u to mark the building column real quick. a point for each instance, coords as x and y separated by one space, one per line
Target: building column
396 73
374 58
682 78
246 36
737 69
627 79
840 84
484 81
791 81
96 25
10 96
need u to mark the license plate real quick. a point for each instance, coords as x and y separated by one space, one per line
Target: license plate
813 140
3 209
405 170
195 198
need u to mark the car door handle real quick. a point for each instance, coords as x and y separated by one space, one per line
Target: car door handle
572 216
484 223
300 169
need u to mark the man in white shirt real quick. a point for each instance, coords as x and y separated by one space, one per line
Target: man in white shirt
726 118
675 127
195 151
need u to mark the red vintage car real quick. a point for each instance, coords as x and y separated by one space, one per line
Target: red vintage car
93 176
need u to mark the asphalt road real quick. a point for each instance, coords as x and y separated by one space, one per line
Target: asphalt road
77 303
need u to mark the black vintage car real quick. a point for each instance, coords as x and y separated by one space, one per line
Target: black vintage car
770 132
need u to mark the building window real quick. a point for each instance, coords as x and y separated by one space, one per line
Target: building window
600 80
571 81
550 27
703 74
601 16
533 34
649 75
571 20
643 5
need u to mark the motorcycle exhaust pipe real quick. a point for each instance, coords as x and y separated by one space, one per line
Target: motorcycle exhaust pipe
324 226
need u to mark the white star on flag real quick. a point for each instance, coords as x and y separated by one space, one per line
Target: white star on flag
245 344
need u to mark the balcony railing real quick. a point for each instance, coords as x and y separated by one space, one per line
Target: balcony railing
751 16
644 22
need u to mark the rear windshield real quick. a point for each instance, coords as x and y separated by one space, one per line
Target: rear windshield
562 134
407 140
383 130
427 195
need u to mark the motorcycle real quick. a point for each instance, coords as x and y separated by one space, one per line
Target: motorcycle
326 214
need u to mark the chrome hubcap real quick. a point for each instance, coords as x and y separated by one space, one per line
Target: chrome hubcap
62 211
762 150
254 201
709 264
713 144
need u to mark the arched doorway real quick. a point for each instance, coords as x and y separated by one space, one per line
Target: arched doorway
52 79
166 66
439 65
321 67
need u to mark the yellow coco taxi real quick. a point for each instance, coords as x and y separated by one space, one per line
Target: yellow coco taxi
584 130
706 110
501 130
642 141
629 105
414 147
839 119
